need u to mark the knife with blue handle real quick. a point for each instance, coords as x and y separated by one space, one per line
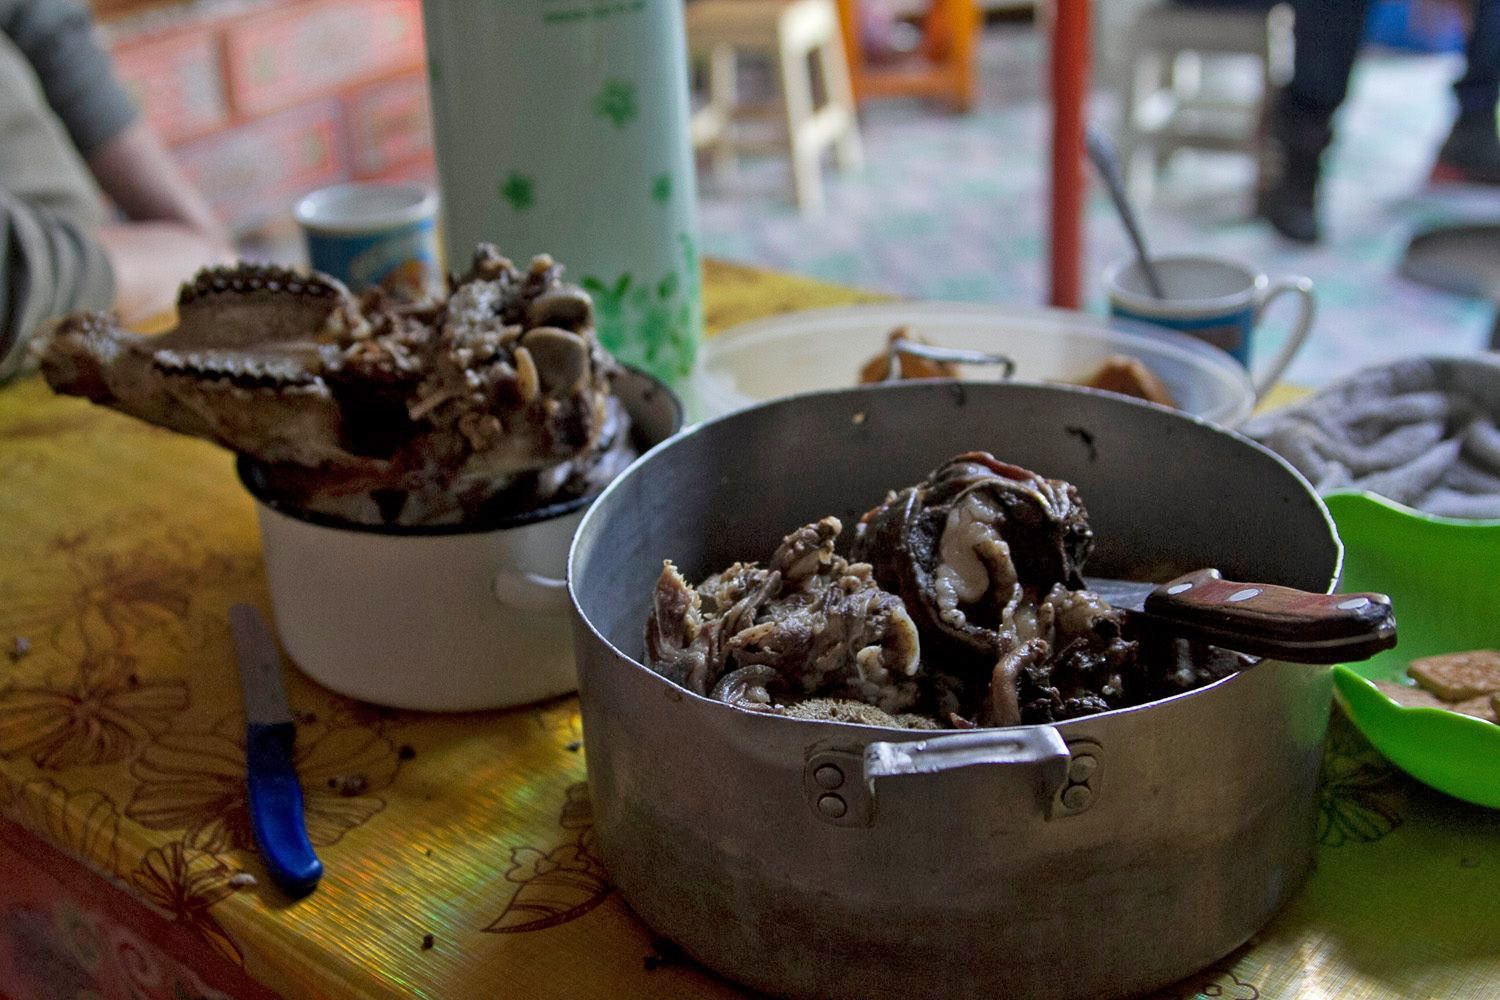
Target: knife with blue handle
274 794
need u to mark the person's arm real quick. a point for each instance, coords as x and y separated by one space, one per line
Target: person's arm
49 267
122 151
172 234
57 39
143 180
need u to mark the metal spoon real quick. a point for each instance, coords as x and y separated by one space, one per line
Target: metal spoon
953 355
1102 153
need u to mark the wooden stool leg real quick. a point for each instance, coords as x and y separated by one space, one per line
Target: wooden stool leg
1179 74
848 150
723 97
1143 79
796 87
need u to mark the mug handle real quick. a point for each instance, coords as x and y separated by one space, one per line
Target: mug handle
1302 287
547 595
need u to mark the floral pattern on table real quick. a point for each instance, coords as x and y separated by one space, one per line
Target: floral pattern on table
126 587
102 716
1210 984
1360 792
553 887
90 705
89 697
195 783
184 883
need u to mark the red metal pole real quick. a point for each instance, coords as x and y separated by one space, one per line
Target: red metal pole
1070 91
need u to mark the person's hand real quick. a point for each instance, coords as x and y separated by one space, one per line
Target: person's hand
151 259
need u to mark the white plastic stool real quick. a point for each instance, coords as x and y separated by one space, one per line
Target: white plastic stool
792 33
1170 103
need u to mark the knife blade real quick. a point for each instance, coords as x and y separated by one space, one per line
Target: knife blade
272 790
1258 618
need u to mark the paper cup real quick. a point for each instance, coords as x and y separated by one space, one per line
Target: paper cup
374 234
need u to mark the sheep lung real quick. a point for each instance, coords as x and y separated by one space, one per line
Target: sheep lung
1026 643
1043 523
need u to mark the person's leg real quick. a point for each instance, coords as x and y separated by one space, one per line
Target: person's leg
1478 90
1472 151
1299 119
1327 38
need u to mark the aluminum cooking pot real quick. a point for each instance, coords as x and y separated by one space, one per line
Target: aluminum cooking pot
1102 856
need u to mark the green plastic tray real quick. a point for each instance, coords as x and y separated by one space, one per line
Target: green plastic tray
1443 576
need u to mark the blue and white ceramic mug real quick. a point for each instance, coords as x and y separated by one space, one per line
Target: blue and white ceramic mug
1215 300
374 234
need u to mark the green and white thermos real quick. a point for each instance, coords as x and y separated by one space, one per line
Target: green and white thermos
562 128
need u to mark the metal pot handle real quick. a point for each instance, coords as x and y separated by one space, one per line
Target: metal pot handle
1039 746
1067 774
547 595
952 355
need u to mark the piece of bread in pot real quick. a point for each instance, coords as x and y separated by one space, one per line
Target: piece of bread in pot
1130 377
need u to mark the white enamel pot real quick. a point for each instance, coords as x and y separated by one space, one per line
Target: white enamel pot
442 618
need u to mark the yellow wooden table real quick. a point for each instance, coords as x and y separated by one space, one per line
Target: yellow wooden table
463 868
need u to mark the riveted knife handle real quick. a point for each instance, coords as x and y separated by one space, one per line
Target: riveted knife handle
1272 621
275 798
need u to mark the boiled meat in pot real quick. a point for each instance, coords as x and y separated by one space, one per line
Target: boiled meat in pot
961 604
809 624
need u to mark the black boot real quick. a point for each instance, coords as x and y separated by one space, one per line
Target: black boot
1292 141
1472 152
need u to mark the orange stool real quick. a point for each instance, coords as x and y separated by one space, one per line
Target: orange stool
942 68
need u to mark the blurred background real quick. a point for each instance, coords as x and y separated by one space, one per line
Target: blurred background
264 100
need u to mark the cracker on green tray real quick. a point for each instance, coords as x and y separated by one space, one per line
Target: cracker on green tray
1459 676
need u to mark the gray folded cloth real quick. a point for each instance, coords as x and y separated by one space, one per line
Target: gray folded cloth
1421 431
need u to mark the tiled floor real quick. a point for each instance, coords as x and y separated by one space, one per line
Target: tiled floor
953 207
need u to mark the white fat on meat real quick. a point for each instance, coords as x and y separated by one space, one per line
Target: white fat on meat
970 549
974 561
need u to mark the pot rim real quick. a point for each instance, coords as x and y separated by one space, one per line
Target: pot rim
713 704
246 468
